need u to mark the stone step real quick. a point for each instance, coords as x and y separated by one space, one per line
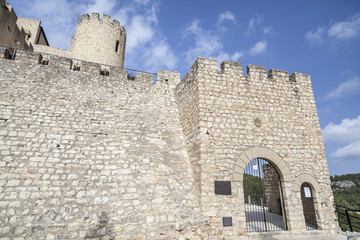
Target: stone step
312 235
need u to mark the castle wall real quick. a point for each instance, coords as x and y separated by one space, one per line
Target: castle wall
87 152
52 50
99 40
11 34
237 112
89 156
32 27
188 104
272 189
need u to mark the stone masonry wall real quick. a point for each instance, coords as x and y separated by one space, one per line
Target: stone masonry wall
86 156
12 34
86 153
272 189
51 50
237 112
32 28
188 105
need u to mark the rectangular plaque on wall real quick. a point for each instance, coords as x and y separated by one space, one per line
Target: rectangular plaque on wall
227 221
223 187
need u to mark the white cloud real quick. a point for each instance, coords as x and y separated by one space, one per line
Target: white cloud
138 32
267 30
227 15
259 47
146 47
349 152
347 29
207 44
346 131
160 54
315 36
252 24
235 57
349 87
143 2
100 6
337 31
229 57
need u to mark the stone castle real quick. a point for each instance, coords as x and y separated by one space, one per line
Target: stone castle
89 152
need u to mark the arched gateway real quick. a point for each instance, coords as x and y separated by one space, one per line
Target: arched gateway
264 204
263 174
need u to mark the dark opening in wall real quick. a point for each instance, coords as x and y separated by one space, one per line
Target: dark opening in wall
76 68
104 72
10 53
117 46
131 76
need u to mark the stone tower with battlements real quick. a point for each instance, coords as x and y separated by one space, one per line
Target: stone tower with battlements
99 40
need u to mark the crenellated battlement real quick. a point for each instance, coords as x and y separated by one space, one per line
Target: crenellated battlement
162 78
275 89
95 18
83 18
235 69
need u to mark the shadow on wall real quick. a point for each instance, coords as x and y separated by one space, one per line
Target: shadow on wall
102 230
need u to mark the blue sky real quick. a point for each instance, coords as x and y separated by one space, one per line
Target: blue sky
317 37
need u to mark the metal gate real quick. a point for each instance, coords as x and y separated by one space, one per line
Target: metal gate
308 207
264 205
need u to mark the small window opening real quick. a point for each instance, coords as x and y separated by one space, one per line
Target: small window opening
76 68
104 72
131 76
10 53
117 46
166 81
45 62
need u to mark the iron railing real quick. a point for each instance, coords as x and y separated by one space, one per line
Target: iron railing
348 217
264 208
10 53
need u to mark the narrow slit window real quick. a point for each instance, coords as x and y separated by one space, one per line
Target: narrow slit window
117 46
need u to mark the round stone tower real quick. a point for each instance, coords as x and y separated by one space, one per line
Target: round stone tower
99 40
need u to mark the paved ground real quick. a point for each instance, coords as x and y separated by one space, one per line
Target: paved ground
313 235
255 216
257 227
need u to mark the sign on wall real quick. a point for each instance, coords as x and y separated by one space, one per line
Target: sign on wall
307 192
223 187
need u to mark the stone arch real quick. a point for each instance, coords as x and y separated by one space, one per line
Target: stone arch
264 153
316 191
306 178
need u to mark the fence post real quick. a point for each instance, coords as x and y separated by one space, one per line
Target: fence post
348 219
